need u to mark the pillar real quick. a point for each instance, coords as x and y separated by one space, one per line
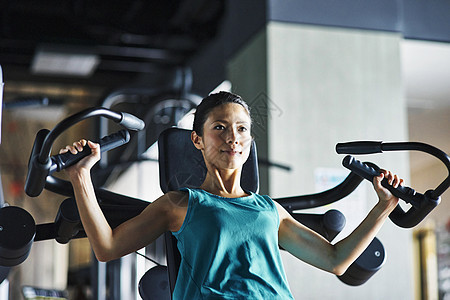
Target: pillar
312 87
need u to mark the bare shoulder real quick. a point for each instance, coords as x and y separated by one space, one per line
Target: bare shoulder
282 212
175 199
175 204
168 203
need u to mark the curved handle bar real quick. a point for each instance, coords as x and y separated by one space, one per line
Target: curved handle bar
38 173
370 147
41 165
340 191
422 205
369 172
126 120
109 142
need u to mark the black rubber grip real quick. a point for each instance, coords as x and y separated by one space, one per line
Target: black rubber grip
114 140
363 147
65 160
367 172
359 168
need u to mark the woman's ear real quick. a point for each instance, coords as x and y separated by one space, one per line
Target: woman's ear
196 140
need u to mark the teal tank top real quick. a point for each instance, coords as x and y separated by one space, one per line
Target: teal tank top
229 249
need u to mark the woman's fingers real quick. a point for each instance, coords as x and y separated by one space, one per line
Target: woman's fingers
393 179
70 149
74 148
93 145
379 178
95 148
80 144
396 181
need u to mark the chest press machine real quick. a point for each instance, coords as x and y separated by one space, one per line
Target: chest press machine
181 165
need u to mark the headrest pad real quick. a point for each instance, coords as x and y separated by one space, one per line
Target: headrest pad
182 165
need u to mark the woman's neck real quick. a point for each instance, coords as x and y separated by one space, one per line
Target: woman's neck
224 183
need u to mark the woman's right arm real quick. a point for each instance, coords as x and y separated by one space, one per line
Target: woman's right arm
162 215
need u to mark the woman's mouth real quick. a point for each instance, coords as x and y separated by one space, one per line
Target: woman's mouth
232 152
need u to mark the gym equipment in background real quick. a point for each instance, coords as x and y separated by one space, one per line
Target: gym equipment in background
177 154
422 204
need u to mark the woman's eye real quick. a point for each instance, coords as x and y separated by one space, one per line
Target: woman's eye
243 129
219 127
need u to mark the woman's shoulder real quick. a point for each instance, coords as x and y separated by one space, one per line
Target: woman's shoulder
176 198
174 205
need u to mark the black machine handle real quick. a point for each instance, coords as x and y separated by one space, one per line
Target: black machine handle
422 204
368 172
41 165
38 173
109 142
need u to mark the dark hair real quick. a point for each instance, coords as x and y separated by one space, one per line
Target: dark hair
212 101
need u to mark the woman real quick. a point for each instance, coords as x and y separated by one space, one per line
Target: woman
228 237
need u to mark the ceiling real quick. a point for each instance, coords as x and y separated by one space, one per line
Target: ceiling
126 38
133 38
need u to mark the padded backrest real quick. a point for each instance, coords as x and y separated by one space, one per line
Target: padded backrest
182 165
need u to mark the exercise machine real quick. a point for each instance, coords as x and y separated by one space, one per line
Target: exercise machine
176 155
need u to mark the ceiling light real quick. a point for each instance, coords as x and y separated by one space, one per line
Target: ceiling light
64 61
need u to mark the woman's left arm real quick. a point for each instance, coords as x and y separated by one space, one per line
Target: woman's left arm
312 248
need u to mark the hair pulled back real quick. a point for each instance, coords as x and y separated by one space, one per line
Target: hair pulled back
212 101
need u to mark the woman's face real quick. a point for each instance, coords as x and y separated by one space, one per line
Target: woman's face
226 137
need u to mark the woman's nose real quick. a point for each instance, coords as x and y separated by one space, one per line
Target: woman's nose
232 137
